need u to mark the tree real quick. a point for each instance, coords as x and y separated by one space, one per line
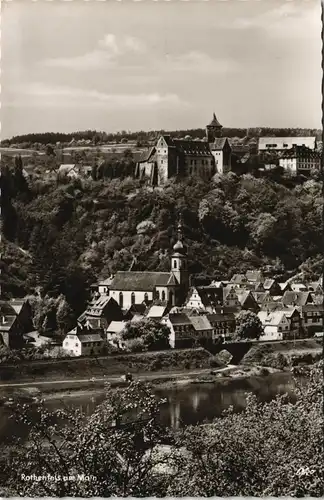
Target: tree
153 335
269 449
115 449
65 316
248 325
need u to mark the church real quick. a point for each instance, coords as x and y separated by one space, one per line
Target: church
172 157
135 287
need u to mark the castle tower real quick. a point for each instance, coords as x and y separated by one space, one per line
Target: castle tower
213 130
179 265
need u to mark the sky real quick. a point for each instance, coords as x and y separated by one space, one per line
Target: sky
146 65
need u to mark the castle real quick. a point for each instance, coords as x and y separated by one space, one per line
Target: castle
185 157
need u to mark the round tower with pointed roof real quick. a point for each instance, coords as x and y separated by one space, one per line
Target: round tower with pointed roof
213 130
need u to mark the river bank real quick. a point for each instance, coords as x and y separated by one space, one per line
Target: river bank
222 377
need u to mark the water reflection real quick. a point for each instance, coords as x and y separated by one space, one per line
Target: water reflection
185 405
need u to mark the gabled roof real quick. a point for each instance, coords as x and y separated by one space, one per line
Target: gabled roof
313 307
172 280
298 287
7 322
146 155
89 337
253 275
6 309
194 148
139 280
260 297
268 283
238 278
227 290
296 298
156 311
179 319
116 326
200 323
218 144
220 317
67 168
210 296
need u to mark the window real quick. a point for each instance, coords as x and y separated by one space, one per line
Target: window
133 298
171 297
145 297
175 264
158 295
121 299
163 295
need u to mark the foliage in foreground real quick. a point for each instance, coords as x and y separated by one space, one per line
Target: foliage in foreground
272 449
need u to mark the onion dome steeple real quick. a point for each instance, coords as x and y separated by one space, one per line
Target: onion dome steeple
179 245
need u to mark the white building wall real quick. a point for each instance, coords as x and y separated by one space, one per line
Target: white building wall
219 161
288 164
271 333
72 345
127 297
195 301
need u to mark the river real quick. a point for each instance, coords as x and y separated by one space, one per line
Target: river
191 404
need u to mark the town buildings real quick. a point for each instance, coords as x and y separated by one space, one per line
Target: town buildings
281 144
300 160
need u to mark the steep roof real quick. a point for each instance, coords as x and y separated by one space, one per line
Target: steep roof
268 283
214 122
116 326
296 298
89 337
219 143
274 318
179 319
221 317
156 311
139 280
200 323
8 322
194 148
146 154
210 296
253 275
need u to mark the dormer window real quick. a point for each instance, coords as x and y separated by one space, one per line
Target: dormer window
175 264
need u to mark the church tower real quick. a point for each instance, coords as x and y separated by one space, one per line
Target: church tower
213 130
179 265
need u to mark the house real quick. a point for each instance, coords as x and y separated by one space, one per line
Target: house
316 287
230 297
83 343
135 287
68 170
103 286
254 276
285 287
281 144
204 298
272 286
295 323
262 299
298 287
223 325
275 325
312 318
239 280
114 331
15 322
203 330
247 301
101 312
300 160
157 311
181 330
297 298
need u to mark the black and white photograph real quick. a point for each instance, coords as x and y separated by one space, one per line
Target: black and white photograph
161 305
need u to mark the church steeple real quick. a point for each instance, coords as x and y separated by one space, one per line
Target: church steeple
213 130
179 259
